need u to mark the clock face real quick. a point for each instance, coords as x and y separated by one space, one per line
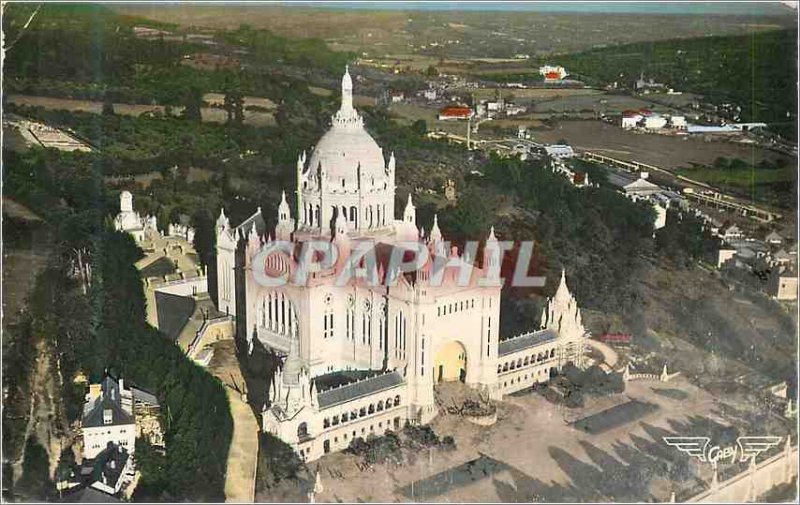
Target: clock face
328 299
351 301
367 305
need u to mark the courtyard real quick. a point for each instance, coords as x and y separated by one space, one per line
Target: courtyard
536 452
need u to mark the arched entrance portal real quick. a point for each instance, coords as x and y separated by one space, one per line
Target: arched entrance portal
450 363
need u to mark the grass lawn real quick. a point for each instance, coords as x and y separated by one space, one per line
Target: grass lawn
742 178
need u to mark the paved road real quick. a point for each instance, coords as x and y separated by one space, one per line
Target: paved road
610 356
243 453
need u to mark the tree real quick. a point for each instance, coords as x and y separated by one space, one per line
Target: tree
193 103
234 106
420 127
108 105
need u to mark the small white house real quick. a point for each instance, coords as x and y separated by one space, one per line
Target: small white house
678 122
630 121
773 238
559 151
107 420
654 122
732 232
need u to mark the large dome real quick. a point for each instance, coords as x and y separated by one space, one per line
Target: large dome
346 175
342 149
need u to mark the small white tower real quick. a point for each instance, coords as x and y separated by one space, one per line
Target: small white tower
285 226
126 201
410 212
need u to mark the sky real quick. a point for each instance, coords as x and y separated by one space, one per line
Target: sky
575 6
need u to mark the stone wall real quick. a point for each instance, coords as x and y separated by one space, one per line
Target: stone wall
754 482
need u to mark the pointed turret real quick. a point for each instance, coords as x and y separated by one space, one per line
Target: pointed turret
410 212
563 316
253 240
436 233
285 225
222 221
301 214
347 91
491 251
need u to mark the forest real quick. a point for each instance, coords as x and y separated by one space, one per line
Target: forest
93 320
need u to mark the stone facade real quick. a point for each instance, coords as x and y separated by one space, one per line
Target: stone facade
402 337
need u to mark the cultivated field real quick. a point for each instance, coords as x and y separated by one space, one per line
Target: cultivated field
210 114
665 151
453 34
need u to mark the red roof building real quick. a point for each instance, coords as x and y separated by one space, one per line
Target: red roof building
455 112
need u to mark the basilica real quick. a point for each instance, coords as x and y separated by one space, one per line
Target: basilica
361 358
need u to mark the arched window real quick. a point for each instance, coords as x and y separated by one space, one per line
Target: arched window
526 360
344 417
499 368
302 431
353 214
380 406
505 367
371 409
326 423
519 363
397 400
553 353
362 412
335 421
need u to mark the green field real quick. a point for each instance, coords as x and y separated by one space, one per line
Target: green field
742 178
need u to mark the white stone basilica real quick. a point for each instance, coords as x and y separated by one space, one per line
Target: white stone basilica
408 336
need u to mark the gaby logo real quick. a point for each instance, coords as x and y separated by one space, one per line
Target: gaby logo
701 448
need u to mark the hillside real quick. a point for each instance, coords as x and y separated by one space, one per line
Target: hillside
756 71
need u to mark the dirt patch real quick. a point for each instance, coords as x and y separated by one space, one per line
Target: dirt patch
665 151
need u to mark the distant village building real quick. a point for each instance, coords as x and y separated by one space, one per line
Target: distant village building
560 151
430 94
725 254
782 284
630 119
654 122
661 216
450 190
773 238
552 73
454 112
647 85
782 258
732 232
641 188
678 122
